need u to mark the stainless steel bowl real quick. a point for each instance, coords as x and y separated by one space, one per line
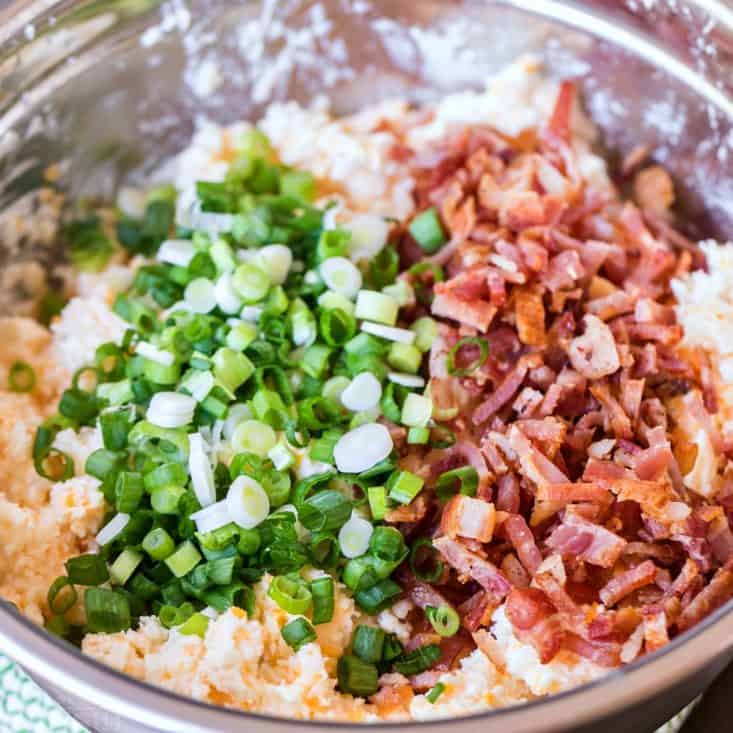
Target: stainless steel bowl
109 89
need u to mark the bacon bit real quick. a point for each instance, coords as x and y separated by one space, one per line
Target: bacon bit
470 565
655 631
590 542
463 452
563 271
394 695
503 393
527 402
611 306
559 126
710 598
533 617
412 512
594 355
654 190
530 315
566 493
507 494
523 541
514 571
464 516
568 384
720 538
534 465
623 584
604 654
422 594
475 313
476 611
617 418
631 648
635 158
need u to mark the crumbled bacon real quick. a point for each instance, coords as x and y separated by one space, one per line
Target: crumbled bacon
602 515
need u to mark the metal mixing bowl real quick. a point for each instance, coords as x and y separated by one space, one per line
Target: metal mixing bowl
109 89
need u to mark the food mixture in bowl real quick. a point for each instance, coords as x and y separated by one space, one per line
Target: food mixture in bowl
403 415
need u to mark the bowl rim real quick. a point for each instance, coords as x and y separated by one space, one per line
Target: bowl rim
66 667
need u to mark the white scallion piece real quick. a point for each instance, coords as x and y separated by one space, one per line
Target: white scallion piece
281 456
236 414
354 536
406 380
132 202
177 252
212 517
200 294
226 296
160 356
247 502
275 260
416 410
190 216
363 393
362 448
199 384
372 305
210 612
368 236
342 276
171 409
252 313
390 333
110 530
312 278
199 466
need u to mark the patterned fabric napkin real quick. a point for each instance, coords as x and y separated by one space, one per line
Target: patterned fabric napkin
25 708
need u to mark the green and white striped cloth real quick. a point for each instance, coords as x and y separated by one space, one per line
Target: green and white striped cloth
25 708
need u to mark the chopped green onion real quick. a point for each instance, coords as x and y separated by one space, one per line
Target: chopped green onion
195 625
426 331
232 368
87 569
378 597
129 491
241 336
166 499
323 593
418 436
363 393
374 306
435 692
322 448
368 643
331 299
332 243
290 593
427 230
158 544
356 677
342 276
336 326
354 536
377 497
387 543
124 566
416 410
107 611
425 560
247 502
281 456
443 619
403 486
275 260
61 596
21 377
298 633
462 480
316 360
325 511
298 184
472 342
253 436
404 357
334 388
384 267
250 282
418 661
184 559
